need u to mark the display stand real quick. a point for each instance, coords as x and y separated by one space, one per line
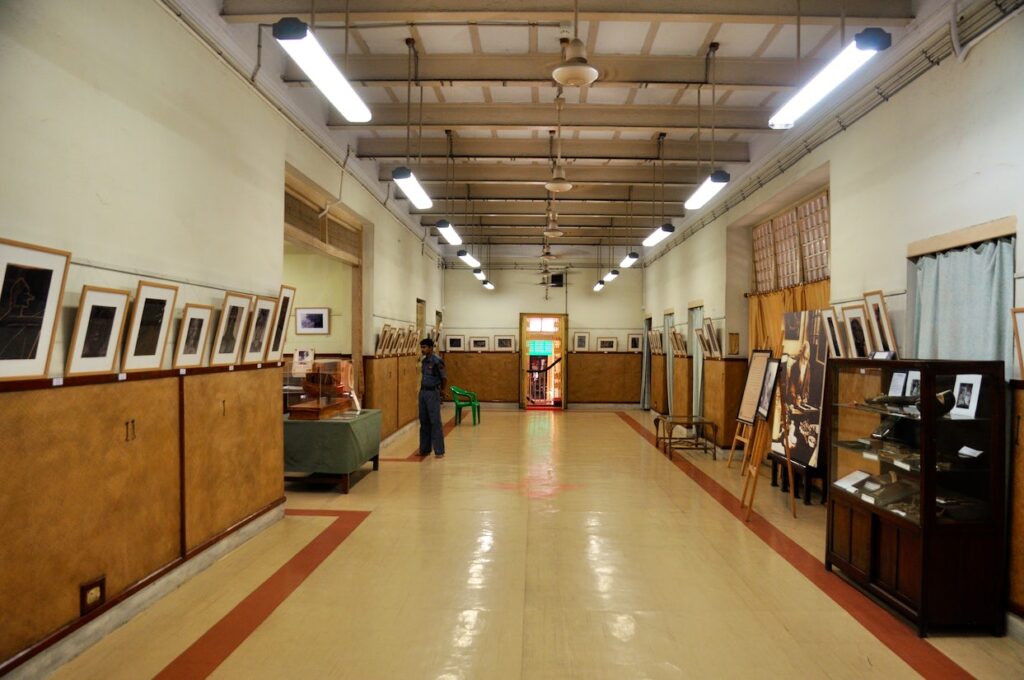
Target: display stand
751 464
744 435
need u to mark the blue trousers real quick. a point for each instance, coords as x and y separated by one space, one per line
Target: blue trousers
431 428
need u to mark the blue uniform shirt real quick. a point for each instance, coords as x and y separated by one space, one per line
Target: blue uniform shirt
433 372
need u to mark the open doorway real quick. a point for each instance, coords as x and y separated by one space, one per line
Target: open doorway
543 341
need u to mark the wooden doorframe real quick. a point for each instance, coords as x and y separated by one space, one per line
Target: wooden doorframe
524 354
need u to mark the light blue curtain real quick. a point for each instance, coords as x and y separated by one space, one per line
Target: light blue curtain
696 321
960 303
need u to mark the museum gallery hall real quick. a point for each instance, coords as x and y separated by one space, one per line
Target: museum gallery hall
464 340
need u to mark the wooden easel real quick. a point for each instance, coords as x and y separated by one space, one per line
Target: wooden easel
745 435
752 466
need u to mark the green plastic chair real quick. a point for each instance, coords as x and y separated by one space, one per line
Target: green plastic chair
468 399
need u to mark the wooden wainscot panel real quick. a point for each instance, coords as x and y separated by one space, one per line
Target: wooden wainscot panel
382 391
604 378
659 385
408 390
234 449
682 386
723 390
494 376
89 488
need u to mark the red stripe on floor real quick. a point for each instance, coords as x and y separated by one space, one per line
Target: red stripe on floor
890 631
209 651
415 456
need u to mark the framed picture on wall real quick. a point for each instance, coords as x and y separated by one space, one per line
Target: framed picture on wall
505 343
581 341
149 326
228 340
882 335
279 334
99 327
480 344
454 343
858 333
192 336
635 342
836 346
711 336
259 328
312 320
31 292
607 344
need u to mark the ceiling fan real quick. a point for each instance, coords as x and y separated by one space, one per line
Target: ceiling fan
551 230
574 71
558 183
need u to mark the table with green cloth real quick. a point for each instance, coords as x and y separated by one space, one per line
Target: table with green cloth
332 448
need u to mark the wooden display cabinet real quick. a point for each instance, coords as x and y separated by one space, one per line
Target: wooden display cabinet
917 496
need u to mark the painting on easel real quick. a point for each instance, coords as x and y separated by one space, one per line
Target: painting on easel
797 415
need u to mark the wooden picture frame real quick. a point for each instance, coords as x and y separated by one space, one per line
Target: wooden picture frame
756 370
382 340
254 351
32 280
149 327
679 344
312 320
285 298
99 327
397 342
764 401
480 344
833 331
193 335
1017 314
413 341
607 345
227 342
858 330
702 341
635 342
454 343
581 341
504 343
882 334
711 335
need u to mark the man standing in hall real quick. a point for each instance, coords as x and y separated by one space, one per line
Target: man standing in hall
431 385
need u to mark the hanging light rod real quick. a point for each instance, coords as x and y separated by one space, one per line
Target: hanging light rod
611 276
295 38
629 260
659 235
479 274
445 228
865 45
488 285
410 186
715 182
468 259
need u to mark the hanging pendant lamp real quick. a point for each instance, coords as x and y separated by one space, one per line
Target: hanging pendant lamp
575 71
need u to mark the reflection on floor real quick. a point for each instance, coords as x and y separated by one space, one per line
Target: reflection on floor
544 545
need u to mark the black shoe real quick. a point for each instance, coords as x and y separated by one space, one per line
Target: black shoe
438 455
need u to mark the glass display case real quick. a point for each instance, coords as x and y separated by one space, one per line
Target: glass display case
917 487
318 390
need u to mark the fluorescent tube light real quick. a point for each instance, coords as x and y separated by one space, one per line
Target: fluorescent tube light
488 285
598 286
479 274
410 186
715 182
659 235
629 260
445 228
610 276
866 44
295 38
468 259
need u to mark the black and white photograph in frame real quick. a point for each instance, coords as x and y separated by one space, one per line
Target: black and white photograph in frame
882 335
764 402
796 425
255 349
581 341
99 326
505 343
312 321
192 336
913 388
454 343
382 340
897 384
607 344
711 337
836 344
702 341
31 291
966 392
227 342
858 331
149 327
752 388
279 334
635 342
479 344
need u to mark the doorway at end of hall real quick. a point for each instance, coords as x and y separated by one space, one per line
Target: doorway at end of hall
542 347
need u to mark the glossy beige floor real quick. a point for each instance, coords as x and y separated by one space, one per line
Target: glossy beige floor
544 546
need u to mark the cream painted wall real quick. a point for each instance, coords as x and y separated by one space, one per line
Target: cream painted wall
320 281
471 310
945 153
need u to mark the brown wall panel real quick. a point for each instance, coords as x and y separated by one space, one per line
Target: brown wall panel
723 390
408 390
234 449
682 386
659 385
604 378
494 376
1016 507
77 501
382 391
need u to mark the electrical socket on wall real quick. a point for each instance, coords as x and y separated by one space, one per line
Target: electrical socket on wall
92 594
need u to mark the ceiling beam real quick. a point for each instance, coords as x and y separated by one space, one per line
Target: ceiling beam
513 214
605 239
877 12
393 149
432 177
537 197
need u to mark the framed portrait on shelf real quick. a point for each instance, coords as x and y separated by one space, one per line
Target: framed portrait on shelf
227 342
397 341
702 341
581 341
99 327
505 343
913 384
480 344
255 348
635 342
679 343
192 336
454 343
382 340
607 344
756 370
858 331
1018 336
414 341
32 282
656 343
882 335
711 335
149 327
966 392
836 346
275 351
312 320
764 402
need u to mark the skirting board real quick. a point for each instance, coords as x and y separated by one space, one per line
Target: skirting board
48 661
1015 627
602 407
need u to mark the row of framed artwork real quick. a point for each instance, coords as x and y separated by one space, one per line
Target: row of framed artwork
860 329
481 343
707 338
251 329
394 342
